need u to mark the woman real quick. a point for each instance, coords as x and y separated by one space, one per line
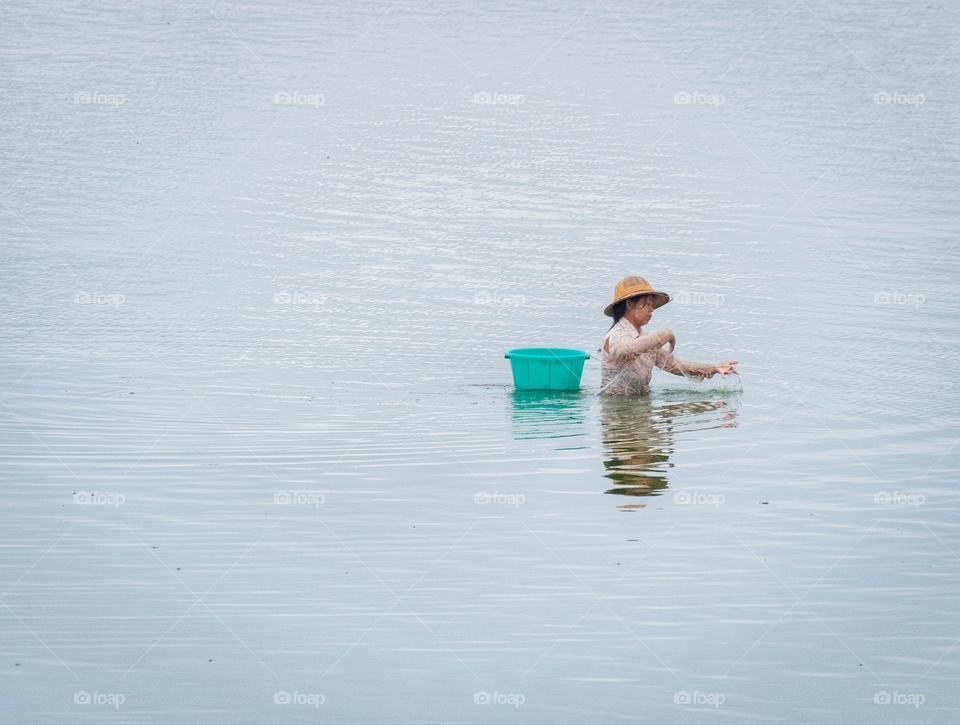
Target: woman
629 354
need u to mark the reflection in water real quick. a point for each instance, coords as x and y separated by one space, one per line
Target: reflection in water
637 433
549 414
638 438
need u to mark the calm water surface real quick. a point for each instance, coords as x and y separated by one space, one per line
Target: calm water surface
261 456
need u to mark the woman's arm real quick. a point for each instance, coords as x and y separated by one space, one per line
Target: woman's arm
622 346
686 368
694 369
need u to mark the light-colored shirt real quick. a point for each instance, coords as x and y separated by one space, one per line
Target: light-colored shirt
627 365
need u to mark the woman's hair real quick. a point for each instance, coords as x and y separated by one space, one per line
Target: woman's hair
617 311
620 309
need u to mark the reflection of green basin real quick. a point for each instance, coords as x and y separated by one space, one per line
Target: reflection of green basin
546 368
549 414
558 401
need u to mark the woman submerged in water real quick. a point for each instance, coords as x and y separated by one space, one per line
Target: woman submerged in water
629 354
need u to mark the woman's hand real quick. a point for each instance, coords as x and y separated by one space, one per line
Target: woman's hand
726 367
666 336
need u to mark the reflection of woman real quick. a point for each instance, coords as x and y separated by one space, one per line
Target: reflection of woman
638 438
629 355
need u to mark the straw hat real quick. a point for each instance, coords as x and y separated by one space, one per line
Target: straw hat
633 286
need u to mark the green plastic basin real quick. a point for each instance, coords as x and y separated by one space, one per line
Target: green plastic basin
546 368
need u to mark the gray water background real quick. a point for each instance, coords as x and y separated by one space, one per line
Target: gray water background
214 299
